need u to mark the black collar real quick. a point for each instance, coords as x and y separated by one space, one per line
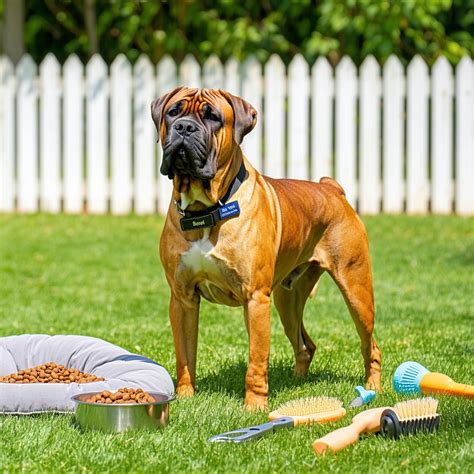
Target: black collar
192 220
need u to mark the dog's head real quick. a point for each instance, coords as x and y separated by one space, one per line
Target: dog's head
199 130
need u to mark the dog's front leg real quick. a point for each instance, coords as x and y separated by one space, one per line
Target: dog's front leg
184 318
257 320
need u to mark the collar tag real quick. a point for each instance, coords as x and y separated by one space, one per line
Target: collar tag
230 209
191 223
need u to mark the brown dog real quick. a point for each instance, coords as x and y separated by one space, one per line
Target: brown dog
246 235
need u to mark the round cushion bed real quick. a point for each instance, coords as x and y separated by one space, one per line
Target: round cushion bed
119 367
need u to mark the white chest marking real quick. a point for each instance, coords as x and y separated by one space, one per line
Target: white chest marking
199 256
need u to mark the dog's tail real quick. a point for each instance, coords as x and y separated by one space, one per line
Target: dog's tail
333 183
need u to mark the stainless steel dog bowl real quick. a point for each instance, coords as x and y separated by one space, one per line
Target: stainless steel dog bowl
114 418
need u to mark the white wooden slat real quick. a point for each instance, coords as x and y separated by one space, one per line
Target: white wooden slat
27 135
252 92
213 73
7 135
369 144
144 136
50 130
322 93
190 72
274 120
97 89
465 137
73 129
120 132
232 76
346 97
393 133
166 81
418 88
441 138
298 118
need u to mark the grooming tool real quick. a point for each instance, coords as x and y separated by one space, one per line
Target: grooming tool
412 377
305 411
365 397
410 417
366 422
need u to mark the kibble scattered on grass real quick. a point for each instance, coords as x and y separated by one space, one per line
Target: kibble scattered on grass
50 373
122 396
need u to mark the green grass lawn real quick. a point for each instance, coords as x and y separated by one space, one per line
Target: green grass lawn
101 276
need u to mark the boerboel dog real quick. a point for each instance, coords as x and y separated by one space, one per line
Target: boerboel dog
233 236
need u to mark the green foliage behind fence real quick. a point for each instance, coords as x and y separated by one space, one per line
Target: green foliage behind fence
242 27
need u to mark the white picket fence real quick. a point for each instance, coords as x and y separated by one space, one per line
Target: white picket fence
80 139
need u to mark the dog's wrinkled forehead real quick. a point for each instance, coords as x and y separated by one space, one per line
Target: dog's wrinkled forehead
192 101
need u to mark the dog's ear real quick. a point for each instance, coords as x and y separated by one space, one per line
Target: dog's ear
157 107
245 116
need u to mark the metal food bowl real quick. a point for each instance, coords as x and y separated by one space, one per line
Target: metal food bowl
114 418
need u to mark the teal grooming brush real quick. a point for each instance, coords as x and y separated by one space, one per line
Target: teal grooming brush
407 377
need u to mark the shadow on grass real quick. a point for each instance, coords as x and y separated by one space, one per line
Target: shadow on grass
231 378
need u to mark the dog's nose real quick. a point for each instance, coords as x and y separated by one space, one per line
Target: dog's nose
185 127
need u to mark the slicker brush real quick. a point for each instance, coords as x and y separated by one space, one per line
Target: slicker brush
410 417
304 411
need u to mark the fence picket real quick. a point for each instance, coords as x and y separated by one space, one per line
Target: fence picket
7 135
465 137
50 130
322 93
213 73
252 92
190 72
369 146
73 129
298 118
346 97
96 134
418 87
143 132
393 120
27 135
166 81
121 140
232 76
274 119
441 138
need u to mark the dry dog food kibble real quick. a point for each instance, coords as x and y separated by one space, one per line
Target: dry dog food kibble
50 373
123 395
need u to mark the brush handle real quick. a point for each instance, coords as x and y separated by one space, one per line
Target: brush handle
366 422
435 383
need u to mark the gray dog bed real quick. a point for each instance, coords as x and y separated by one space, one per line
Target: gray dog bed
119 367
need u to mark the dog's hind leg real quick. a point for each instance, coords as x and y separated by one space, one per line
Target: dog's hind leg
353 276
290 301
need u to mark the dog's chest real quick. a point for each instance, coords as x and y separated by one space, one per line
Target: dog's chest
208 273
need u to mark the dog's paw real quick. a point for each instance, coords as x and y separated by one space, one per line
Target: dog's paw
185 391
373 383
255 403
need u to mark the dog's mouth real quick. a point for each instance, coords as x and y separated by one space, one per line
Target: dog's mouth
190 159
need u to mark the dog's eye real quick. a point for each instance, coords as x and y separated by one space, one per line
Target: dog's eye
210 115
214 117
173 112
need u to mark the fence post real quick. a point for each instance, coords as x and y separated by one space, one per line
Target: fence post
274 117
144 134
213 73
369 146
50 132
465 137
97 127
441 138
346 100
7 135
298 118
120 133
27 135
322 94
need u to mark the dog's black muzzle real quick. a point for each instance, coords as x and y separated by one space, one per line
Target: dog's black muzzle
186 151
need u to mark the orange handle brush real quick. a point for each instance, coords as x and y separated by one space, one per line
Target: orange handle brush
413 377
366 422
